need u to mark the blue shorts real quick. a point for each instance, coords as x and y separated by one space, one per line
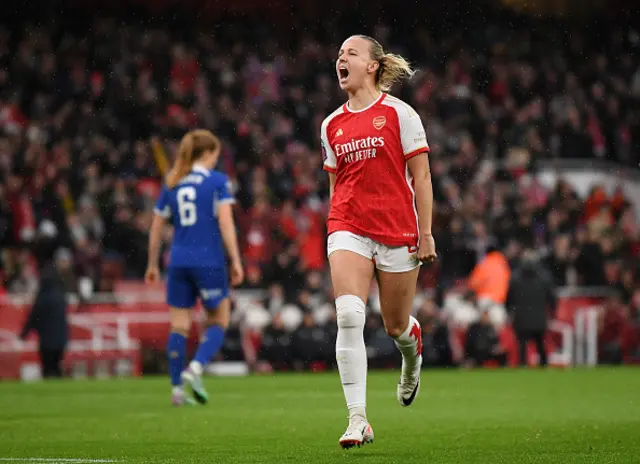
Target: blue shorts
186 284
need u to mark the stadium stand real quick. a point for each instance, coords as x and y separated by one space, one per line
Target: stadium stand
90 113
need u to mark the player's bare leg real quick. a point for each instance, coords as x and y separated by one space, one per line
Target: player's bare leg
351 274
192 375
397 291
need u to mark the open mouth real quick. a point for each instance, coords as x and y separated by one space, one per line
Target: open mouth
343 73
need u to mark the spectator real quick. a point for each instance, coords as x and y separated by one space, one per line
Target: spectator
559 261
48 316
482 343
531 297
489 283
439 348
611 332
381 351
456 258
590 261
276 344
310 344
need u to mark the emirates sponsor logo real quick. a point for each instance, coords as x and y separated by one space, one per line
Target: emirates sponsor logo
359 149
379 122
358 144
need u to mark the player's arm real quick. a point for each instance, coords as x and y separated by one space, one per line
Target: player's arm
228 230
329 159
155 240
162 212
416 149
230 240
223 207
332 183
419 168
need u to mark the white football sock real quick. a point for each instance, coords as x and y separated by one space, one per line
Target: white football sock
351 353
196 367
407 343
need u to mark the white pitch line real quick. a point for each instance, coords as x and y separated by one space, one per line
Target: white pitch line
58 460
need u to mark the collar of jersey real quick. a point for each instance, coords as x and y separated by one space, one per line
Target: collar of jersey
200 169
371 105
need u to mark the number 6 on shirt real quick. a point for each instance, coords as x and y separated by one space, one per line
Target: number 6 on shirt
186 197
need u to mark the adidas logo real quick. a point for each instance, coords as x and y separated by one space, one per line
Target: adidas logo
338 132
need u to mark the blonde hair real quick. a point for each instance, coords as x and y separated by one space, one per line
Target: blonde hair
392 68
192 146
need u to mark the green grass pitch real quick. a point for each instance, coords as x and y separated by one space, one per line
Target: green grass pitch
509 416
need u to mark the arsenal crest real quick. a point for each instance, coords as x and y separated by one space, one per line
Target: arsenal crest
379 122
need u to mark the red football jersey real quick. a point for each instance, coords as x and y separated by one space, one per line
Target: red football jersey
368 151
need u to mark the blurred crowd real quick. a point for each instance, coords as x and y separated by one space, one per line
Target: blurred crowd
90 114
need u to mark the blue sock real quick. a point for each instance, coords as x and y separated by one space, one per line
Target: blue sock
176 354
210 344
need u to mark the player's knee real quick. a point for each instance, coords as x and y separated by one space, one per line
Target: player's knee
182 329
180 321
217 319
221 315
350 312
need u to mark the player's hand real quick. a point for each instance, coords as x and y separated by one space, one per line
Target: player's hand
237 273
152 275
427 249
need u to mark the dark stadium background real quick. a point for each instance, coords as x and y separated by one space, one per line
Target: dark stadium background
94 95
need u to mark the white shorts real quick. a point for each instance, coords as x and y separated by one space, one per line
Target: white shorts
497 312
387 259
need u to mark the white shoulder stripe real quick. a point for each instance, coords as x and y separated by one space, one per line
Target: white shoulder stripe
398 105
332 116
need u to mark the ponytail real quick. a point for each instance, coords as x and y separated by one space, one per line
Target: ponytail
392 68
183 162
192 146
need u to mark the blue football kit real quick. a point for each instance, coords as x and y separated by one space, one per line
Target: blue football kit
197 266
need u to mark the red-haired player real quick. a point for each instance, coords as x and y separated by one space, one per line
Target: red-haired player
375 150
